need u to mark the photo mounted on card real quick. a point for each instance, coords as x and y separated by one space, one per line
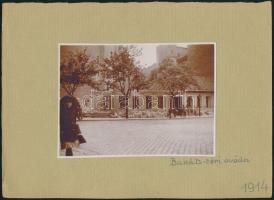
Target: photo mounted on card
137 99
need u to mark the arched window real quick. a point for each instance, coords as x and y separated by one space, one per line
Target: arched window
189 102
136 102
123 101
148 102
107 102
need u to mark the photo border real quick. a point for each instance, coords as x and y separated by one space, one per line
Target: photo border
133 155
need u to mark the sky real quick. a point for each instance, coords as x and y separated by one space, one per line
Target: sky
148 56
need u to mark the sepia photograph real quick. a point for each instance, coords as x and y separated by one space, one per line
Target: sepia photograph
145 99
140 100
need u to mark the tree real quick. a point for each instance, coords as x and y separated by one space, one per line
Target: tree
76 69
173 76
121 72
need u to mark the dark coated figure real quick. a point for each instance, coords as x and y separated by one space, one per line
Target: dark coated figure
70 134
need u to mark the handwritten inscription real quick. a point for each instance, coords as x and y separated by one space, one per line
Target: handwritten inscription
208 161
259 186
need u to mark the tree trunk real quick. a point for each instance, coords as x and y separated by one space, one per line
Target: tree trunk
126 112
126 106
170 106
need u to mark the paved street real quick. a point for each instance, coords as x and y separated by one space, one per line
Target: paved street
147 137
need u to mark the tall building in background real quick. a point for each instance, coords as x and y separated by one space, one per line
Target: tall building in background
93 51
201 59
169 51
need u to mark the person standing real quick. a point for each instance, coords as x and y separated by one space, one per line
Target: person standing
70 134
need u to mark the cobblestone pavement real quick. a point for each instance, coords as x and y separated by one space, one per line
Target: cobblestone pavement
147 137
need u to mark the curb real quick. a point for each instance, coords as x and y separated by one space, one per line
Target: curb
124 119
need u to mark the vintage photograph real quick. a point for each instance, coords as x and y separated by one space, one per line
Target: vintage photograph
137 99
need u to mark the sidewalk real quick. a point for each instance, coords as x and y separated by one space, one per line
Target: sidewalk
120 119
147 138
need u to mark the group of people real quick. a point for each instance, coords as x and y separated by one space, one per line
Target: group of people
70 133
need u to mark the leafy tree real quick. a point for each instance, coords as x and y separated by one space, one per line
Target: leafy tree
173 76
76 69
121 72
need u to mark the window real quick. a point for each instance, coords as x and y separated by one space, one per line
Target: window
148 102
189 102
207 101
178 102
171 102
107 102
161 102
87 102
136 103
123 101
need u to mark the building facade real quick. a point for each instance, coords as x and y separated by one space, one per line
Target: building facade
146 103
